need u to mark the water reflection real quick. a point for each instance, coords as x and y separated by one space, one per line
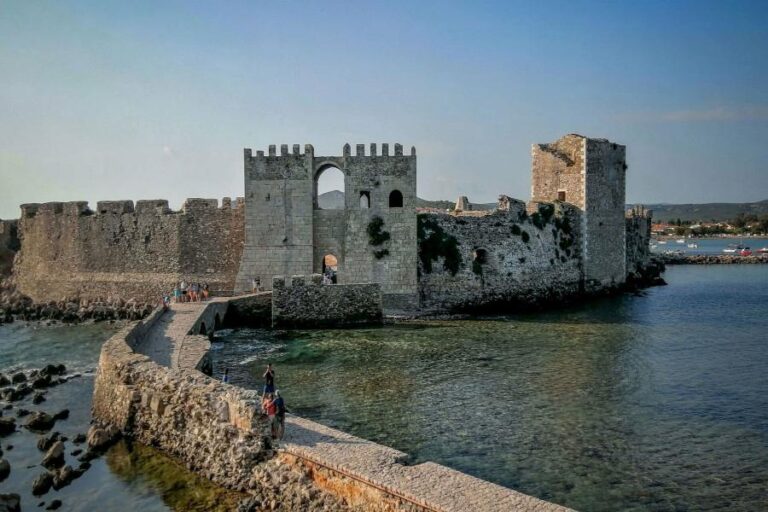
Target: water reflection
657 401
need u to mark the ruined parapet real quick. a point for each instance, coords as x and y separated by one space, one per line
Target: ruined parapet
114 207
511 206
303 301
152 206
9 245
462 204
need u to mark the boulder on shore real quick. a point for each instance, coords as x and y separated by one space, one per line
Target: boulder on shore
40 421
101 438
54 457
7 425
5 469
42 483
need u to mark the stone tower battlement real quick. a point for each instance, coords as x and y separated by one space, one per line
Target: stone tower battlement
287 232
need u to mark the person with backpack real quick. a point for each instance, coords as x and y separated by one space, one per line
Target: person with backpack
278 421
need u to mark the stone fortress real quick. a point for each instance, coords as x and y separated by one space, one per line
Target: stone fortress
573 237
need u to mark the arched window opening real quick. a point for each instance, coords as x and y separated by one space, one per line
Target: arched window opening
561 196
396 199
330 269
329 187
365 200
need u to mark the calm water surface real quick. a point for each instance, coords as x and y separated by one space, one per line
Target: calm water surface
651 402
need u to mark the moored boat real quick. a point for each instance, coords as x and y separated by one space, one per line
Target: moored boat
746 251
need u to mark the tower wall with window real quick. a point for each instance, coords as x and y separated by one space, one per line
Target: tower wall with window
591 175
373 237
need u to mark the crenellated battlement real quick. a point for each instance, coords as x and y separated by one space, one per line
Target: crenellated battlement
309 150
142 207
639 211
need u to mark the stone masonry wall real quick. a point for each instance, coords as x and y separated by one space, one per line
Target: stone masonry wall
9 244
70 251
288 234
304 302
505 258
638 222
214 428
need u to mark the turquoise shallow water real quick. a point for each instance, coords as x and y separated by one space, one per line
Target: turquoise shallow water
650 402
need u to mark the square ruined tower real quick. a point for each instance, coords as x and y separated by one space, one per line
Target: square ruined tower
287 233
590 174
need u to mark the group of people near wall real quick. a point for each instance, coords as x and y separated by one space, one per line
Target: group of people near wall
272 403
192 292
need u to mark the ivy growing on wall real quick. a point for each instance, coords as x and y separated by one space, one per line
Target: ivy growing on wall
435 243
377 236
525 236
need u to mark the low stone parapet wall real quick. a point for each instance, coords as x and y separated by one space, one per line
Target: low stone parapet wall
303 301
214 428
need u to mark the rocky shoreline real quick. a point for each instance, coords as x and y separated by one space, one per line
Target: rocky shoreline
712 259
16 306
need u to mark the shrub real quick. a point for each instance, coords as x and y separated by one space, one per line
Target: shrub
435 243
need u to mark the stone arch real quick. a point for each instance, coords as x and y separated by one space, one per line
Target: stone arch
217 322
203 330
329 177
395 199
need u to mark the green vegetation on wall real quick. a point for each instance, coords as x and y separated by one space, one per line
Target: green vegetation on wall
434 243
377 236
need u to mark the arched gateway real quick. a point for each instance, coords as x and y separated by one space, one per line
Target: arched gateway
288 232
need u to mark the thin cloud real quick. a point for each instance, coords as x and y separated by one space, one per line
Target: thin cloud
719 114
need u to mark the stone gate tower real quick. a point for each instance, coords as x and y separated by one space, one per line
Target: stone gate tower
590 174
286 232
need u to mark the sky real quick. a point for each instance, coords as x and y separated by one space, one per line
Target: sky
157 99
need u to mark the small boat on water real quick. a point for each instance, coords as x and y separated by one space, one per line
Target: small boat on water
733 249
693 245
763 250
745 252
662 242
680 240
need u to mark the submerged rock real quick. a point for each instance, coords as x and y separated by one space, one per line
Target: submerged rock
38 398
18 378
5 469
54 458
10 502
42 483
55 504
7 425
40 421
45 442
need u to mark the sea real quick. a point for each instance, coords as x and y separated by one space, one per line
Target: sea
656 400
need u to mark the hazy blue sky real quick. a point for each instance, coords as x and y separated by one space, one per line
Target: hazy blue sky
112 100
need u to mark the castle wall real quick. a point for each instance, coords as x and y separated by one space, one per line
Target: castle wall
638 250
9 244
302 301
500 265
70 251
287 234
605 229
590 174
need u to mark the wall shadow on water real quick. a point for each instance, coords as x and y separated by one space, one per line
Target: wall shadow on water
141 466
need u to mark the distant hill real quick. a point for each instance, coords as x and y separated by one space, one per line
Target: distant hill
662 212
333 200
706 211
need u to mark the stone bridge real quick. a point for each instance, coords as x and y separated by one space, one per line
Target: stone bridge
149 385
